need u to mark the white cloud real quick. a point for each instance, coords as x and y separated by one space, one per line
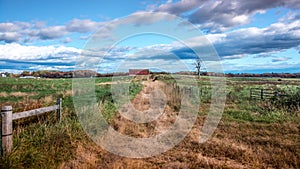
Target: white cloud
14 51
16 57
13 26
66 40
235 56
143 18
45 67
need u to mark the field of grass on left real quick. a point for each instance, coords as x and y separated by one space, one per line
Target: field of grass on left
40 142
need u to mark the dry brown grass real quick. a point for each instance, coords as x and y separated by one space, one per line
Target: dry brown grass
85 158
68 93
65 93
3 94
28 103
48 99
233 145
17 94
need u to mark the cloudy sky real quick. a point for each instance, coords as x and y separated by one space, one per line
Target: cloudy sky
248 36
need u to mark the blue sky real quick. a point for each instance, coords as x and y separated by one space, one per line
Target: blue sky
249 36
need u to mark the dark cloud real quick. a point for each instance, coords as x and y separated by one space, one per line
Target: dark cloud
82 26
41 64
276 37
180 7
264 55
52 32
218 16
240 43
36 63
9 37
28 32
280 59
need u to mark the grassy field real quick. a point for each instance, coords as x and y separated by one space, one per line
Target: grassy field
251 133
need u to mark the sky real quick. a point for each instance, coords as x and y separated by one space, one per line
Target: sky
162 35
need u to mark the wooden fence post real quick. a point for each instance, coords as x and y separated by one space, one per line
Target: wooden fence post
262 94
201 94
7 143
58 112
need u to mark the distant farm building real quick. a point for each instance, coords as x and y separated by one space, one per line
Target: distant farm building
133 72
3 75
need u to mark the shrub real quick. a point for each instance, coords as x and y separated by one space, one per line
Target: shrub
290 101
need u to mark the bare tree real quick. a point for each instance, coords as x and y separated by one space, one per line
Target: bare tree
198 64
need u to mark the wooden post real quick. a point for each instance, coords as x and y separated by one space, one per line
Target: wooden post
58 112
201 94
6 114
276 94
262 94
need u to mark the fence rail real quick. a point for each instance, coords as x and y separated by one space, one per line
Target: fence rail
259 93
34 112
7 120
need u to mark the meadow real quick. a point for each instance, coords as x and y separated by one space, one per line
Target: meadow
252 133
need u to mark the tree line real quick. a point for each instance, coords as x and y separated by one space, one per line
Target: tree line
89 73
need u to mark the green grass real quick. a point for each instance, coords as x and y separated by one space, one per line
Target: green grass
134 89
41 142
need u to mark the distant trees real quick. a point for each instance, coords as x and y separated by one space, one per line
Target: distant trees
25 73
84 73
198 66
274 75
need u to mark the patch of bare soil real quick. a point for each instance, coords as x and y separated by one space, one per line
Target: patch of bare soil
110 83
233 145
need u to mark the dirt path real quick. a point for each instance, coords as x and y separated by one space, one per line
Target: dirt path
150 105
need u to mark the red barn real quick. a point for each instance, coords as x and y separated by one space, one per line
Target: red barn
139 72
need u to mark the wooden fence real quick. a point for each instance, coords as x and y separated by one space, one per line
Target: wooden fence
8 116
258 93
